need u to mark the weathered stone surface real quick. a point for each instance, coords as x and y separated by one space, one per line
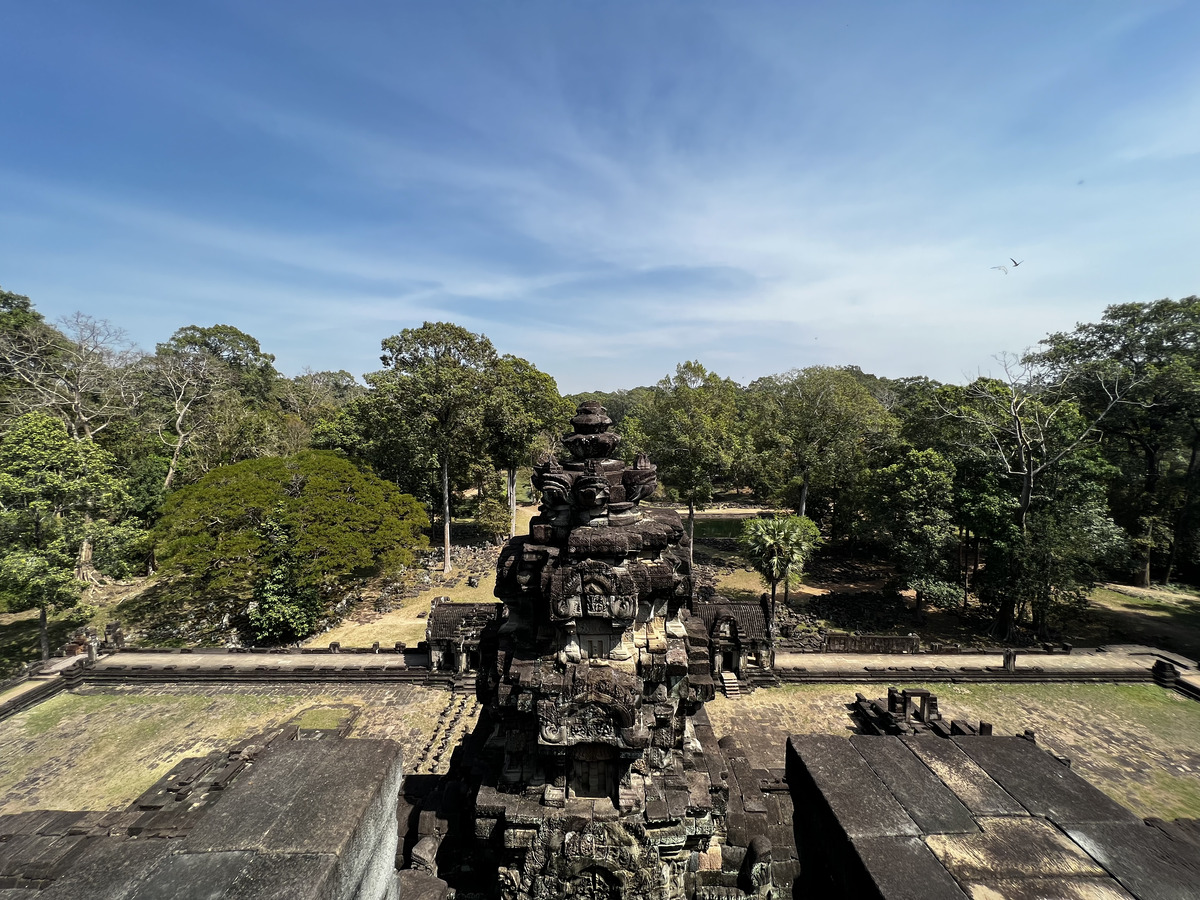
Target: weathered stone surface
108 870
1014 848
422 886
281 876
1040 783
834 770
1138 856
964 777
924 797
1049 889
195 876
900 868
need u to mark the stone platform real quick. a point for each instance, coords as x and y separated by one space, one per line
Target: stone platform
929 818
298 820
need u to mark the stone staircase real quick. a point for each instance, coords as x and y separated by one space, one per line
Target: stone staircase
730 683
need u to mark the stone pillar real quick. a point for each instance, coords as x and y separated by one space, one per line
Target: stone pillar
1010 660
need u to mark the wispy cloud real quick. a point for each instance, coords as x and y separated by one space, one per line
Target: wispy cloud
608 194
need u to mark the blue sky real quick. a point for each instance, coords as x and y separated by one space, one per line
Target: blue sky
604 188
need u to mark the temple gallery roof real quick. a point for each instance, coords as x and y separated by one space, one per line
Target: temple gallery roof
460 621
748 614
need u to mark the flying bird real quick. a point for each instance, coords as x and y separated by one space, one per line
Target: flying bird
1005 269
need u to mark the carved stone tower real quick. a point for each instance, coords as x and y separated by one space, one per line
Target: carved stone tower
587 784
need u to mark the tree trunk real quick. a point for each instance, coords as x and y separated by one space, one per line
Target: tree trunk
174 464
964 544
771 623
1144 574
1149 496
43 634
691 530
84 570
512 501
1003 627
975 563
1184 517
803 505
446 512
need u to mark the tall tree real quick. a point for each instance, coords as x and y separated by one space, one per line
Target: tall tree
1154 437
687 425
1047 569
818 426
1028 426
84 372
215 400
913 508
251 371
52 487
440 375
522 404
183 384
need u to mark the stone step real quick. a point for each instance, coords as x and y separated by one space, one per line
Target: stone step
730 683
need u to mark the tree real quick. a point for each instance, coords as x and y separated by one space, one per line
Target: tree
438 376
251 371
310 398
1030 420
1028 426
913 508
183 383
778 549
304 523
1155 436
522 404
687 425
51 488
1048 568
816 427
84 372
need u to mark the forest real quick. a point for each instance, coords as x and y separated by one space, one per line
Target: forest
255 499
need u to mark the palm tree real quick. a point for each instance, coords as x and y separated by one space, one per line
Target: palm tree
778 549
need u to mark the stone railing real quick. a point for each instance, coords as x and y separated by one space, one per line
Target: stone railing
840 642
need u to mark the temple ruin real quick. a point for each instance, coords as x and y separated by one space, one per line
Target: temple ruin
593 771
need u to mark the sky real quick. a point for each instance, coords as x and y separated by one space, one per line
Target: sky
604 188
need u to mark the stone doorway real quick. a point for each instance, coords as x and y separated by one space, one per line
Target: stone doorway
593 770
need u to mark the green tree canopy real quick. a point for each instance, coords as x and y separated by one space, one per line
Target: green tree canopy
914 509
688 426
1154 436
522 404
315 514
816 429
778 550
437 378
52 488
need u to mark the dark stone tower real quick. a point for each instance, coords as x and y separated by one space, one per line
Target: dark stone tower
587 782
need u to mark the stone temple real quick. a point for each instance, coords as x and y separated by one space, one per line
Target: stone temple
593 771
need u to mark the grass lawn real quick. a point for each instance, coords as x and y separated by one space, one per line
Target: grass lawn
1160 617
99 749
1137 743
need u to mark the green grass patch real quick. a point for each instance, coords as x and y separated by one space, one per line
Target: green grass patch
712 527
100 751
327 717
